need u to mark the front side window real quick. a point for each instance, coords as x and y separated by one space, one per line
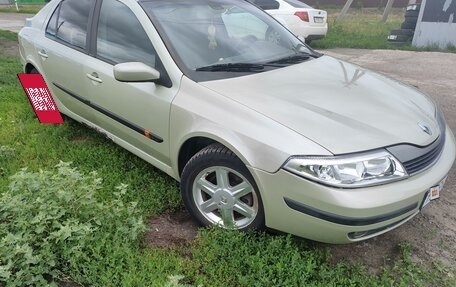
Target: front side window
120 36
70 21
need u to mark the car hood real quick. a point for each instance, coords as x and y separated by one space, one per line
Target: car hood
338 105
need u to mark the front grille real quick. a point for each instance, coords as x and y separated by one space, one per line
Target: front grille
416 159
427 159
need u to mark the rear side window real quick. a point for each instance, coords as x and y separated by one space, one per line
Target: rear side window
120 36
70 21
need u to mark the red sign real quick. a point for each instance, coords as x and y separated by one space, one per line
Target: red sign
40 98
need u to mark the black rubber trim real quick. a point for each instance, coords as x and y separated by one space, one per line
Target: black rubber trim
115 117
345 220
314 37
424 199
371 232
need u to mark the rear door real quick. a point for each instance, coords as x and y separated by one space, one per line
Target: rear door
63 52
137 113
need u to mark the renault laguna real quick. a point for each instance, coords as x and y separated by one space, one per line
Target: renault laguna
261 132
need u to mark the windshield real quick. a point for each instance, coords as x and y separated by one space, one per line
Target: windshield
204 33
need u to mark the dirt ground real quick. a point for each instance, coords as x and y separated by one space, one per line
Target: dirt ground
432 233
13 21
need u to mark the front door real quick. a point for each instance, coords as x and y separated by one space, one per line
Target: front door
136 113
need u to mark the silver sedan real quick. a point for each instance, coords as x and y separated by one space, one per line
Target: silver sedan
259 133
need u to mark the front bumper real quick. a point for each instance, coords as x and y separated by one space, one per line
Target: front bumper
298 206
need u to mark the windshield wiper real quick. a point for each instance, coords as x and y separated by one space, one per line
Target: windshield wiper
294 59
313 54
236 67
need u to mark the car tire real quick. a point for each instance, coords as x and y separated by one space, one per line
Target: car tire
405 32
412 10
218 189
399 38
411 19
408 25
34 71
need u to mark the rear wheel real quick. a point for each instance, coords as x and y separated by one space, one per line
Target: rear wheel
218 189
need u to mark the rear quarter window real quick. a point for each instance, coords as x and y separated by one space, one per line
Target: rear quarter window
70 21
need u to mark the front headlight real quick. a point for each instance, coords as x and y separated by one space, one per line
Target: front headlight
348 171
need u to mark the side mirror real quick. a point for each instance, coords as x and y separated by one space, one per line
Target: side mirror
135 72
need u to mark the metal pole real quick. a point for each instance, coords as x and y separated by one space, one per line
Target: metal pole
388 7
344 10
15 3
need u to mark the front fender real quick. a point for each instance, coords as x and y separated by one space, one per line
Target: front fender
256 139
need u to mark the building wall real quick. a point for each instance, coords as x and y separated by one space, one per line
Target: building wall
436 24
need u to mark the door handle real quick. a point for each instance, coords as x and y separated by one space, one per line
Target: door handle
43 54
94 77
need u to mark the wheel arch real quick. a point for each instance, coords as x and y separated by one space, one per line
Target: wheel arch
191 147
192 144
29 67
30 64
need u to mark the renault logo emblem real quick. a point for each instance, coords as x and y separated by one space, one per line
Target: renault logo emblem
425 128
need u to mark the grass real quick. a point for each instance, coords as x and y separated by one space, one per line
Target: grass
363 29
216 258
26 9
7 36
359 29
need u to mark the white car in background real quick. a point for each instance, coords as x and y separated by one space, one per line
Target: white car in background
298 17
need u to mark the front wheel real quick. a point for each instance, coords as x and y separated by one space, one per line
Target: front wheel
218 189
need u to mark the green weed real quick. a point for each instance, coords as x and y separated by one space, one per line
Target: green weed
26 9
50 222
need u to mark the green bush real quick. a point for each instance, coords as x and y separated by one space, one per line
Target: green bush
53 225
6 152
